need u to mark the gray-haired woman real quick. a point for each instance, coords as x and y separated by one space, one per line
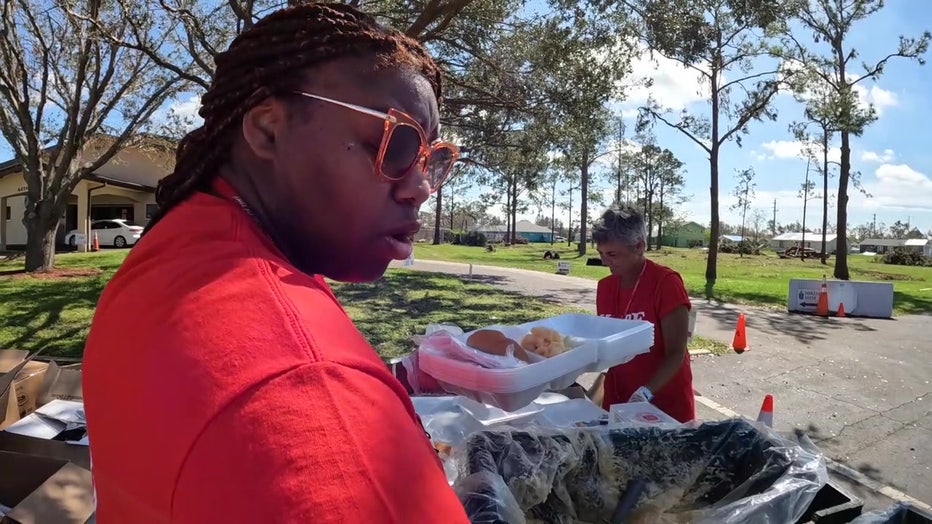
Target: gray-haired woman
640 289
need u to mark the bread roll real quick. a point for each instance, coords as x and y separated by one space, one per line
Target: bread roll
543 341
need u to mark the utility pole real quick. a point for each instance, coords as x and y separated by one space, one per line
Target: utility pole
802 245
874 227
621 137
774 224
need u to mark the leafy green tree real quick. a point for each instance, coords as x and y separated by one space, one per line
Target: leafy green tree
719 40
830 23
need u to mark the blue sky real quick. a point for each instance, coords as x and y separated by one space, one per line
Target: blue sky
894 154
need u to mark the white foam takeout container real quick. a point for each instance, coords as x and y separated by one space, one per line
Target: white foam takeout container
640 414
610 341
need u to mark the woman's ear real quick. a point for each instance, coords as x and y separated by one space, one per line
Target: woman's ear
261 125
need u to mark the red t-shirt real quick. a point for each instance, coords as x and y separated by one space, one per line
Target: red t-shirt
221 384
659 291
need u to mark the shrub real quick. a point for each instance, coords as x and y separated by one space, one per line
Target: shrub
473 238
901 257
744 247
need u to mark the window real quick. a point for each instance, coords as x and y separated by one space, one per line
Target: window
9 213
150 210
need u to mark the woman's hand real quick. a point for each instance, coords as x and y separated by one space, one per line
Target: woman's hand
643 394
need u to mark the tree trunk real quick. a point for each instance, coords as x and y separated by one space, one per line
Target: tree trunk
744 214
824 194
569 227
841 227
553 209
507 236
660 217
649 207
618 190
715 226
41 228
514 211
841 246
583 202
451 210
438 238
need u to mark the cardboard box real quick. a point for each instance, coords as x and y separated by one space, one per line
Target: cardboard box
79 455
61 383
20 382
44 490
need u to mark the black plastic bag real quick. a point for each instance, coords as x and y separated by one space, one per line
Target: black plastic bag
729 471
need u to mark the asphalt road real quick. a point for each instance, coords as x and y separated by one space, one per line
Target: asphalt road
861 388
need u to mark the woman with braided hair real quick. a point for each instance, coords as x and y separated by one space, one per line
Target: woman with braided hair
223 382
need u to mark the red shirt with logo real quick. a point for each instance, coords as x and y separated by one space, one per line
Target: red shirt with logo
658 292
221 384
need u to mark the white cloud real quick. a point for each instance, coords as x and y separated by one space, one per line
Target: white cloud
875 96
187 107
882 158
673 86
793 149
880 98
896 186
180 116
893 188
610 159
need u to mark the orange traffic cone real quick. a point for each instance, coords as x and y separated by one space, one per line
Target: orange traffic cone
841 310
822 307
96 242
766 411
740 342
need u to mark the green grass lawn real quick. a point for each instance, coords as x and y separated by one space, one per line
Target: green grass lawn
392 310
54 311
759 280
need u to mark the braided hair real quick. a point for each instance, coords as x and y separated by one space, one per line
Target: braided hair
268 59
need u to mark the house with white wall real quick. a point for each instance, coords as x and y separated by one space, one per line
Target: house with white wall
124 188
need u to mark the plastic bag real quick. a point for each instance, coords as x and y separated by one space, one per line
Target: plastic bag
487 500
723 472
450 341
894 514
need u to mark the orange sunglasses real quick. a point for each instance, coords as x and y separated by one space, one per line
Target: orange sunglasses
405 144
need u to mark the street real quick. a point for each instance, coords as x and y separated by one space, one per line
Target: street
859 387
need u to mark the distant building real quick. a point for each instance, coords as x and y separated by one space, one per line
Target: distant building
690 234
922 246
524 229
812 241
881 245
123 187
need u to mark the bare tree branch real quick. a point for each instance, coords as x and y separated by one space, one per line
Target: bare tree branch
681 128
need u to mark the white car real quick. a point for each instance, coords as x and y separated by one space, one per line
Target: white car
114 232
